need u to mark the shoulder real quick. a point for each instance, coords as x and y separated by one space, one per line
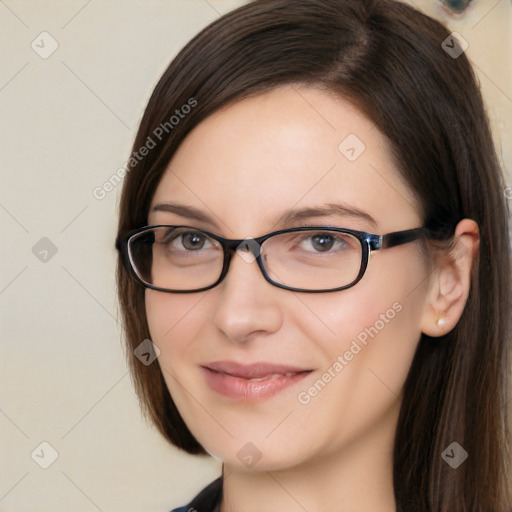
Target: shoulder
208 500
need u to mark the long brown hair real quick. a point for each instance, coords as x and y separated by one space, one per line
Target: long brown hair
388 60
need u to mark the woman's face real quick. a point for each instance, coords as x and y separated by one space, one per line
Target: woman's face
289 150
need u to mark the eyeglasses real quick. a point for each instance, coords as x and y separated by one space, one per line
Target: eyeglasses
183 259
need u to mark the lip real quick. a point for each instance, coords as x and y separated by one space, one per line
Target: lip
252 382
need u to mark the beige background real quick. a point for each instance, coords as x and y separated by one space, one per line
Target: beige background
67 124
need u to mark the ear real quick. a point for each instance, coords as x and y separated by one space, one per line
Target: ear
450 281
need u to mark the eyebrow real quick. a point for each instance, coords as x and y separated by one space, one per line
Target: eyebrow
292 216
183 211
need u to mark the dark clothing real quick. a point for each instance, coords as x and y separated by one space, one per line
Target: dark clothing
208 500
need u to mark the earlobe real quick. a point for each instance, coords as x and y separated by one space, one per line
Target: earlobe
441 321
451 281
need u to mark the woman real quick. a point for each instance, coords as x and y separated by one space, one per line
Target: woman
313 234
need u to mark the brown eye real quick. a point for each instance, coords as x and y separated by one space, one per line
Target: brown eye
316 243
322 242
193 241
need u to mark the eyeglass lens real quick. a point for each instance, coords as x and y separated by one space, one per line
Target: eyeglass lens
183 259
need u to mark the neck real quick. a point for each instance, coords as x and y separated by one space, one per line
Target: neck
355 478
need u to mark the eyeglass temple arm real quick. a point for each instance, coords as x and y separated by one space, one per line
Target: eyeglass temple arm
404 237
120 245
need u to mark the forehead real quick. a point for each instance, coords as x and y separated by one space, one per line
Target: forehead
288 148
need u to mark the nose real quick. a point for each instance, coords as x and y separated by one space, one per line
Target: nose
248 306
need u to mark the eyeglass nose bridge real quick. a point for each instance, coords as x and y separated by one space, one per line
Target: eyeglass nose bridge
249 250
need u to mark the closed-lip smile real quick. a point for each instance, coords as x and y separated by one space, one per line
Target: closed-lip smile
255 381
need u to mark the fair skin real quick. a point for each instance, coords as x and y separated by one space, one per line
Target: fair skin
243 167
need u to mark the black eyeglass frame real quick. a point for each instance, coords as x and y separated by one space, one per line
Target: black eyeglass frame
369 242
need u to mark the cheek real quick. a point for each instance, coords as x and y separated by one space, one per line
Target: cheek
366 354
372 326
174 320
361 314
